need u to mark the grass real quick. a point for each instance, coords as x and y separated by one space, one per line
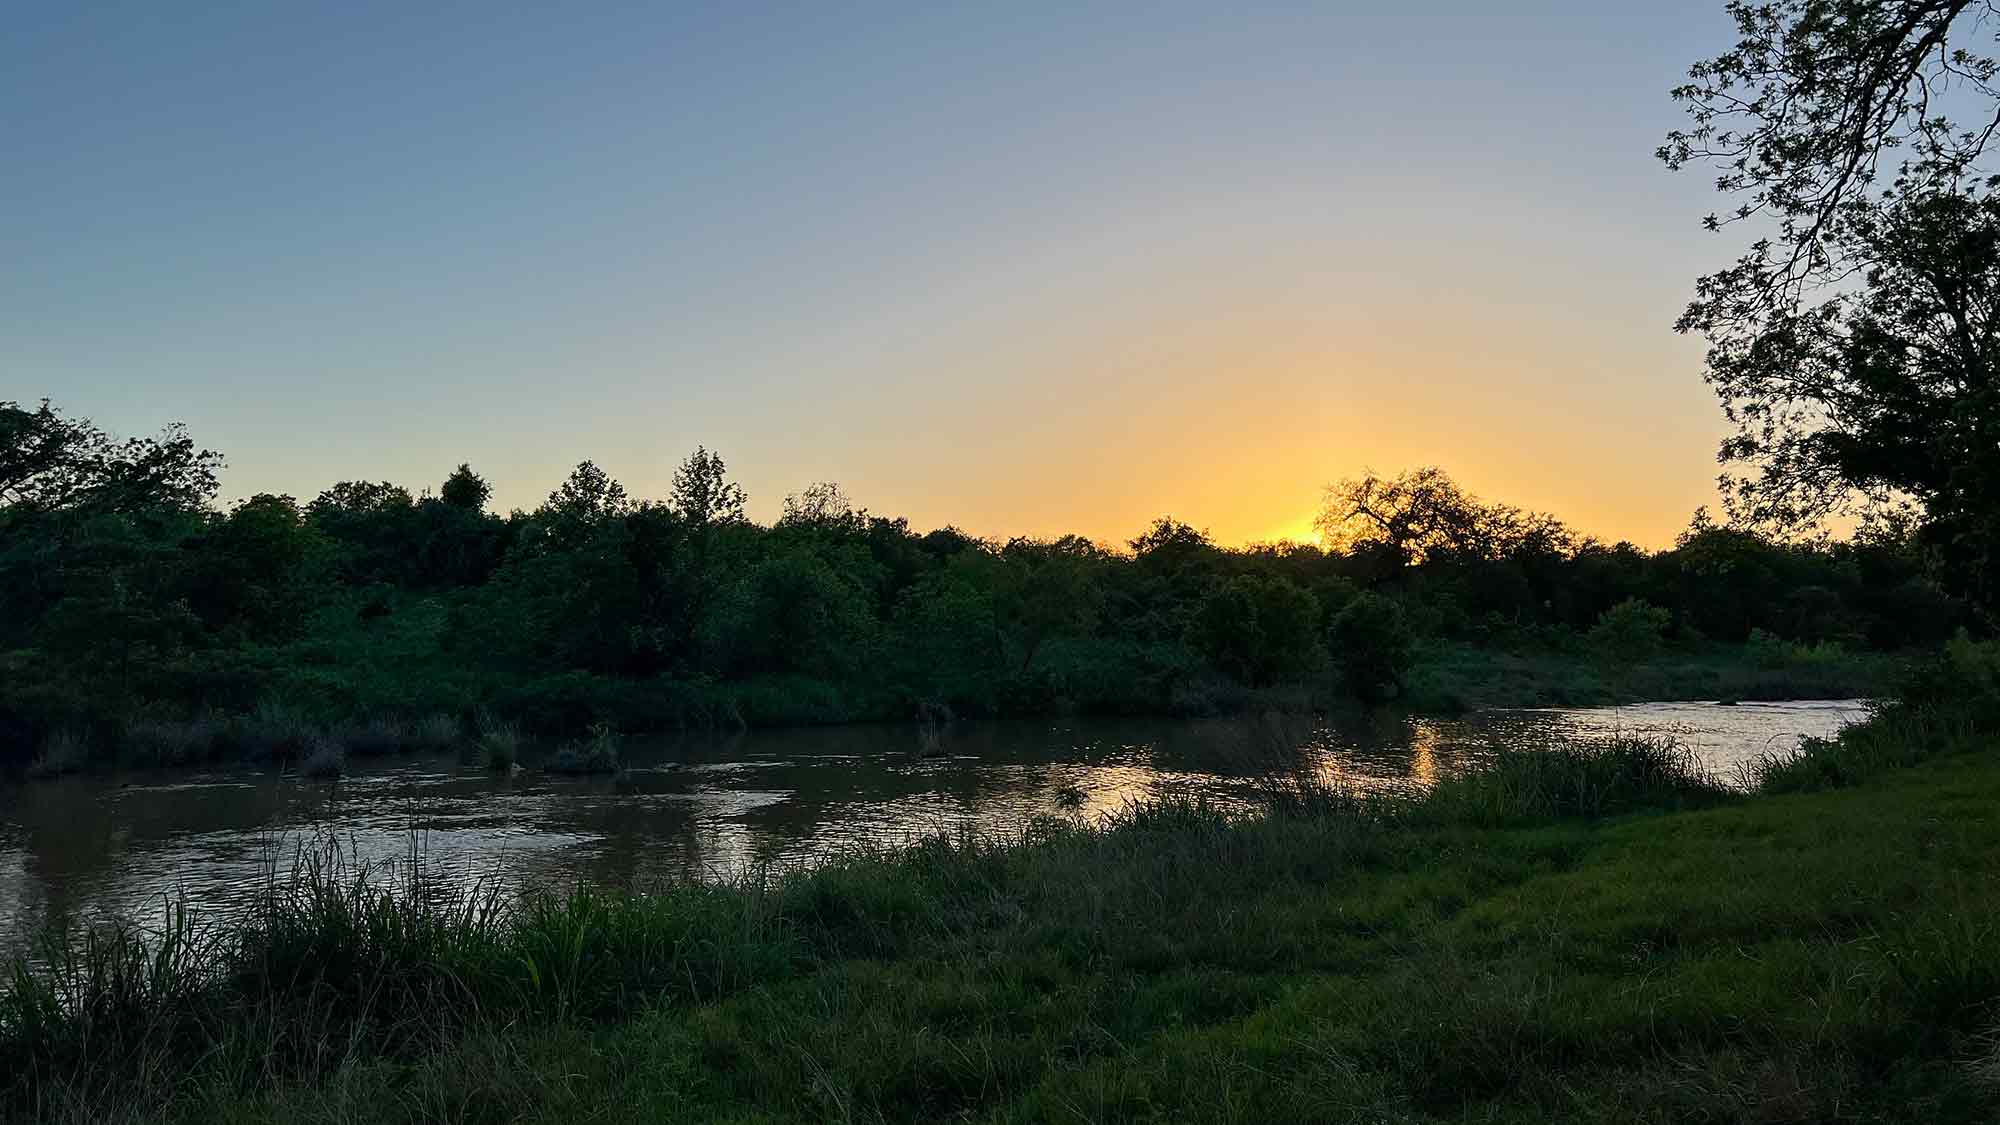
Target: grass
499 744
597 754
63 752
324 759
1455 678
1597 933
278 733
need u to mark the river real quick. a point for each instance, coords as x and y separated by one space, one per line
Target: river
88 848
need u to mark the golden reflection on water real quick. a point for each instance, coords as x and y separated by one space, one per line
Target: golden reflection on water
1425 740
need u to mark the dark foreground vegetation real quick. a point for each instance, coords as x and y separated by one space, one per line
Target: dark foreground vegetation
1591 932
140 622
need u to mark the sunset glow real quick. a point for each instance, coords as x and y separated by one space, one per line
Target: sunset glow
1030 276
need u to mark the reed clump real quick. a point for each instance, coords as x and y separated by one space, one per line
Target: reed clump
65 751
499 743
599 753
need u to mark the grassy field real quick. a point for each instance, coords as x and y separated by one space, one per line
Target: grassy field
1596 934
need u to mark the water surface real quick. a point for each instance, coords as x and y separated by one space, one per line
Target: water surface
84 848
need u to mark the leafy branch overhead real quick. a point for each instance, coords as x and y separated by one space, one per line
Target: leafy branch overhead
1853 342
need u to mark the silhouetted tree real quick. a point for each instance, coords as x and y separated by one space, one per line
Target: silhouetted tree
585 501
50 463
703 493
1423 514
465 489
1853 345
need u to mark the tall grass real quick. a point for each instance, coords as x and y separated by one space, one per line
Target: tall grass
373 738
499 743
273 732
337 960
599 753
63 752
1581 778
1896 736
1562 779
437 732
162 742
324 758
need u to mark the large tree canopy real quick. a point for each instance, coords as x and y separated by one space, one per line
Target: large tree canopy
1853 342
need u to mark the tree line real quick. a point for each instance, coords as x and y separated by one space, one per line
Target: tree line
128 591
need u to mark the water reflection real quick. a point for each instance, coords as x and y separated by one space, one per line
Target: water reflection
84 848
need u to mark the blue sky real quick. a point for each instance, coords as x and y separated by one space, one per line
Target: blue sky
1023 268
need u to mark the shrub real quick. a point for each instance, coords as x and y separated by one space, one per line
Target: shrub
1371 639
1766 649
1634 629
1259 630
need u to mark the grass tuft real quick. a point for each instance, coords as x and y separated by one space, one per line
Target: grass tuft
273 732
374 738
597 754
65 751
499 744
437 733
1578 778
324 759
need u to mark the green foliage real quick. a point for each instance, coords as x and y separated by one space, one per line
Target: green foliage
130 608
702 493
581 506
1631 630
50 465
1260 630
1852 341
1371 640
1047 591
794 613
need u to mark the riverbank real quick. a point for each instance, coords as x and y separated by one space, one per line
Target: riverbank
1451 679
1594 934
374 706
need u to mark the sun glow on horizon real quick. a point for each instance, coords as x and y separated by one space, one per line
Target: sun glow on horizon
1300 531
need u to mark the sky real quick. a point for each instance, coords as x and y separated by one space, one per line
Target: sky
1021 268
